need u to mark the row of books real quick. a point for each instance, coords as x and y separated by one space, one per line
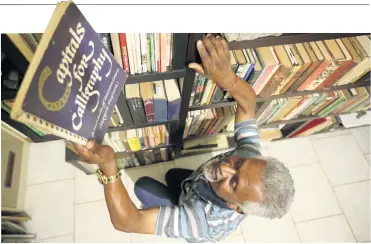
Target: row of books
147 102
209 121
141 52
322 105
137 139
142 158
283 69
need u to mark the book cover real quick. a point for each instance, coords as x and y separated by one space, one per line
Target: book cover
146 91
124 52
133 140
73 105
159 101
173 97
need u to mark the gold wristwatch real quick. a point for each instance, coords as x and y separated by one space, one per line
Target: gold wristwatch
107 179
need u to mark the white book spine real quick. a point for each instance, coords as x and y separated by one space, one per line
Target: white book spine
143 51
157 51
135 63
137 53
129 44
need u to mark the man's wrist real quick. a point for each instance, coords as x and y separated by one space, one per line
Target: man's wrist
108 169
229 81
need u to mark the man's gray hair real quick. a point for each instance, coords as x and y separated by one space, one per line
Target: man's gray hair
277 191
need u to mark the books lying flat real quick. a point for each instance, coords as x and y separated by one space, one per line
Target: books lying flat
72 84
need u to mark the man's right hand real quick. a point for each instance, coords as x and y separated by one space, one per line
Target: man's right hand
102 155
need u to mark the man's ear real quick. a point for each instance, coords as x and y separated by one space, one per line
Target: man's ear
235 207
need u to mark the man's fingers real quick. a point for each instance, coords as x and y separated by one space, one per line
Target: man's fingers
83 152
196 67
218 45
205 58
210 46
225 45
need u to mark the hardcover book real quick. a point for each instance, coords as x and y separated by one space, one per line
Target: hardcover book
73 82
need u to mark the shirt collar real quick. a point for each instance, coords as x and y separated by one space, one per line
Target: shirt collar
205 190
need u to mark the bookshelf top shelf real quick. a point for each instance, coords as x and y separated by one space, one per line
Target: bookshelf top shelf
155 76
288 39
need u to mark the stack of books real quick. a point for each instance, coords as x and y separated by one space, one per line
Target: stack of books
141 158
140 53
137 139
284 69
147 102
210 121
321 105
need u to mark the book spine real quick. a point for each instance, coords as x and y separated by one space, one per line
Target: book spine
106 40
337 74
138 53
293 80
130 48
315 75
139 107
194 87
274 82
124 52
167 52
143 51
133 110
160 109
163 52
180 41
303 77
173 109
249 72
149 53
150 111
158 52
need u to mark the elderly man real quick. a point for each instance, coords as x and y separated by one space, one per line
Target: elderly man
208 204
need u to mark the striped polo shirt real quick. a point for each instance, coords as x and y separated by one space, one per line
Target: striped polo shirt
196 218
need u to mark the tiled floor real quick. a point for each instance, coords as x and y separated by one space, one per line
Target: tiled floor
332 204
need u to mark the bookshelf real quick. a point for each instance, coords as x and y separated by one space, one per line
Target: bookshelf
176 127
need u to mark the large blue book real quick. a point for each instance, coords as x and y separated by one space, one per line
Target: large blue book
160 101
73 82
173 99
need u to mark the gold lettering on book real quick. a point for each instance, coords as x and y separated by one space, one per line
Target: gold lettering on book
56 105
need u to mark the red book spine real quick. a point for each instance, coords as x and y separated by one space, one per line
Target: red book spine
337 74
124 52
310 125
314 75
150 110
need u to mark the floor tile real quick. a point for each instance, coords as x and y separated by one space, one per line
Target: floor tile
59 239
93 224
154 238
330 134
314 196
47 163
257 229
234 238
51 206
367 156
330 229
355 201
362 135
87 188
341 159
293 152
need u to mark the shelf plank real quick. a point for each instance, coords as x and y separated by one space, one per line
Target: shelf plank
365 82
288 39
122 128
118 154
155 76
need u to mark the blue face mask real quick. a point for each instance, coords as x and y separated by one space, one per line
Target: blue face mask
205 190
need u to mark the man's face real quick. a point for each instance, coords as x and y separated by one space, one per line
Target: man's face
236 179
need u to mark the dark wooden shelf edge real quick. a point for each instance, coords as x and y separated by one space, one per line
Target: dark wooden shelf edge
155 76
288 39
146 149
149 165
140 126
363 83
